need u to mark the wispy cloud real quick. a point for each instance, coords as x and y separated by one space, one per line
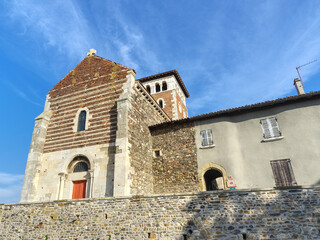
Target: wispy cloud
129 41
61 23
10 187
262 51
22 94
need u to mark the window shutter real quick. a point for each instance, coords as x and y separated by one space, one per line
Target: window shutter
204 141
265 128
275 127
283 173
210 137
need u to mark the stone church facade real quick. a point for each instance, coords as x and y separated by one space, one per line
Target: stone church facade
103 133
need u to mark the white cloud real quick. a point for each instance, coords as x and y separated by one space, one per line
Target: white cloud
22 94
61 23
10 187
260 55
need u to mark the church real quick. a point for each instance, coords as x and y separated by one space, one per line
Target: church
103 133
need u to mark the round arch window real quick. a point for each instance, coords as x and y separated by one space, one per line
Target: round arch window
79 164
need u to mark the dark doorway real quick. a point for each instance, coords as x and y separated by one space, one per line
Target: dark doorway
211 176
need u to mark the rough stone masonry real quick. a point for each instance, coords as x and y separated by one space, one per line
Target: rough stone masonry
292 213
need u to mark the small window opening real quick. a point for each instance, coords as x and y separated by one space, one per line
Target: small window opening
149 235
157 153
244 235
164 86
81 167
158 87
106 215
161 103
148 88
213 180
82 121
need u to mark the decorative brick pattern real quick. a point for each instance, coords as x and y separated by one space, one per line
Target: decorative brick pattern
175 171
95 83
144 112
259 214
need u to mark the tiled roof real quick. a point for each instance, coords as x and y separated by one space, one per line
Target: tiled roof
166 74
246 108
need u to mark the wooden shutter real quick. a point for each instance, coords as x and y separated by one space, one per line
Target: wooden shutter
204 140
275 127
283 173
265 128
210 137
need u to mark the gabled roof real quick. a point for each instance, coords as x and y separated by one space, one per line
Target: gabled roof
166 74
91 67
246 108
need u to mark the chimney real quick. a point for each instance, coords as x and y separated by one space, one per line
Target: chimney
298 84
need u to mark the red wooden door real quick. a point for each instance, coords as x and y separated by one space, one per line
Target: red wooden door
79 189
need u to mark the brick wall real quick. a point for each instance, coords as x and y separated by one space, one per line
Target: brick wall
175 171
144 112
256 214
183 108
167 96
95 83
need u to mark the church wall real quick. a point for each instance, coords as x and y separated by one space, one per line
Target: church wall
248 214
101 104
55 180
175 170
143 113
94 86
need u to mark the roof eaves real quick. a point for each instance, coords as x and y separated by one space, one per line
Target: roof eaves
165 74
242 109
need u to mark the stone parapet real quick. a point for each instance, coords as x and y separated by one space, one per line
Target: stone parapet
292 213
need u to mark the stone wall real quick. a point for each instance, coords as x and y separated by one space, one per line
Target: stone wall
250 214
143 113
175 170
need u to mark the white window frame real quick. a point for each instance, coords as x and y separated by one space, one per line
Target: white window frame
206 138
270 128
76 119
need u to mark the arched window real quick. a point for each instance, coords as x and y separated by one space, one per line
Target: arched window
164 86
82 121
158 87
79 164
81 167
214 180
148 88
161 103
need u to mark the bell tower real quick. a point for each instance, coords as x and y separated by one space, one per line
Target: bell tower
169 91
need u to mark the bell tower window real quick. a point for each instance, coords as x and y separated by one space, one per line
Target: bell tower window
82 121
158 87
164 86
148 88
161 103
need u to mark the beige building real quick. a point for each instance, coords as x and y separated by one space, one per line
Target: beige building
268 144
104 133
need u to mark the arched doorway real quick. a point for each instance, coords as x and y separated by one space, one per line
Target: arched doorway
213 179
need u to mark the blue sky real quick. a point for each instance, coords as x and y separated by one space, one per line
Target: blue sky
229 53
